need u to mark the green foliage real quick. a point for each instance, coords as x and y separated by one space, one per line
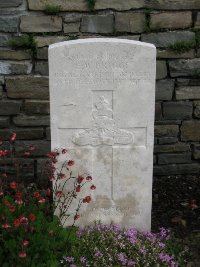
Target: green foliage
24 41
91 4
71 37
52 9
182 46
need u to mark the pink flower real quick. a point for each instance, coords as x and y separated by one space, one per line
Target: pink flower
80 179
93 187
78 188
42 200
87 199
76 217
64 151
25 243
13 137
27 153
1 193
13 185
22 255
89 178
70 163
32 217
12 209
19 201
6 225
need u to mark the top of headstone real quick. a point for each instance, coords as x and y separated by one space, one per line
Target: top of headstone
100 40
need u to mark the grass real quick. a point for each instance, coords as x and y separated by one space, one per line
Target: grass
24 41
91 4
182 46
52 9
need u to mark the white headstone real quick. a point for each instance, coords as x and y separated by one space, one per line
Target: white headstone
102 97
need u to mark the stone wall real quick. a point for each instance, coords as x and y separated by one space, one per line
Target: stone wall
172 25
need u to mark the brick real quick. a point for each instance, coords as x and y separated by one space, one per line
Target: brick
187 92
130 22
72 17
161 69
171 169
190 131
4 122
164 39
166 130
173 4
197 109
164 89
66 5
196 151
36 107
174 158
183 67
29 133
42 68
8 24
167 140
177 110
28 87
171 20
41 24
120 5
23 120
168 53
178 147
97 24
42 147
42 53
71 27
158 112
197 23
15 54
18 68
10 3
9 107
48 40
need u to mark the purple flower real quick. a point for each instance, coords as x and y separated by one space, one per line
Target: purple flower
165 257
164 233
130 263
69 259
98 254
82 259
122 259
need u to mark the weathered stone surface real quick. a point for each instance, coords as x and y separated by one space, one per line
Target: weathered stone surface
9 107
10 3
187 92
130 37
4 38
66 5
167 140
164 89
197 23
196 151
119 5
48 133
23 120
102 73
166 130
29 133
130 22
158 112
40 24
177 110
168 122
179 147
167 53
190 131
47 40
1 91
197 109
72 17
42 68
173 4
42 53
171 169
71 27
4 122
174 158
42 147
171 20
36 107
11 67
15 54
187 82
161 69
27 87
183 67
8 24
164 39
97 24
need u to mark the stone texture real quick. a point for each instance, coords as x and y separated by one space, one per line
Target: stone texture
4 122
15 54
36 107
158 112
161 69
27 87
42 53
48 133
197 23
41 24
197 109
164 89
171 20
177 110
102 73
187 82
72 17
8 24
174 158
12 67
171 169
71 27
167 53
4 38
10 3
42 68
42 147
130 22
66 5
166 130
164 39
173 4
47 40
179 147
190 131
119 5
23 120
9 107
130 37
29 133
1 91
97 24
196 151
167 140
187 92
183 67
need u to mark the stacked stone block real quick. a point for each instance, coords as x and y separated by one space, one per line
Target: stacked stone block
24 92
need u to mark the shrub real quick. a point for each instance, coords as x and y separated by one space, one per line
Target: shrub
52 9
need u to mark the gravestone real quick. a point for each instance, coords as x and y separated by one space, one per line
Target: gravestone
102 97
